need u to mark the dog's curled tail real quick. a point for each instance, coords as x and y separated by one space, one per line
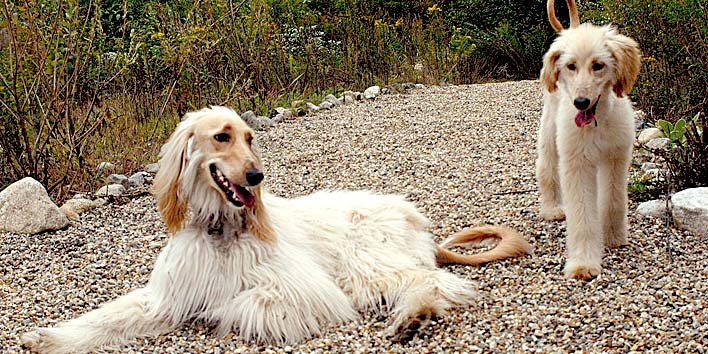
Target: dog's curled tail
511 244
574 17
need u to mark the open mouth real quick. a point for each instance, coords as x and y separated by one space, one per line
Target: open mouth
586 117
237 195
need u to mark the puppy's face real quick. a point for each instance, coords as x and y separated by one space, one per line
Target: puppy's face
228 161
585 62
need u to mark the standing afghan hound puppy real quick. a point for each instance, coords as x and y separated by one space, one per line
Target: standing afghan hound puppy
274 269
586 136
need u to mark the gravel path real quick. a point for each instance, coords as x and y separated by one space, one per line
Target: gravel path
465 155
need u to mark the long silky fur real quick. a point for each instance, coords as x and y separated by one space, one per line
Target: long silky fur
278 272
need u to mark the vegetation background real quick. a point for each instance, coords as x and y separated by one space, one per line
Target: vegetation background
84 81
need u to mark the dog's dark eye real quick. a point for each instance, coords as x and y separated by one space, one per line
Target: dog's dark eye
222 137
571 67
597 66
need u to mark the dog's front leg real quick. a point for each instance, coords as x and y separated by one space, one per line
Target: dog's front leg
113 323
613 200
547 169
584 242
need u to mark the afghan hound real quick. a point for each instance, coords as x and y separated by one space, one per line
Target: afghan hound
586 137
276 270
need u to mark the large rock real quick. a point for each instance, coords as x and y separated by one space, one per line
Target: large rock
333 100
152 168
74 207
326 105
311 107
658 143
111 190
256 122
117 179
648 134
690 210
654 208
137 179
372 92
25 207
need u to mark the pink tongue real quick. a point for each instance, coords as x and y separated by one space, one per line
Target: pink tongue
584 118
246 198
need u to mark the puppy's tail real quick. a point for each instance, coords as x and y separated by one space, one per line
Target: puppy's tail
574 17
511 244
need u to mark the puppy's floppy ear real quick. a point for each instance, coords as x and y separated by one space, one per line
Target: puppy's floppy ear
166 187
550 72
627 56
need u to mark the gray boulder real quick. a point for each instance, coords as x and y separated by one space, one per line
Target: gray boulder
407 86
648 134
311 108
137 179
117 179
111 190
372 92
333 100
658 143
653 208
690 210
326 105
25 207
649 166
256 122
152 168
74 207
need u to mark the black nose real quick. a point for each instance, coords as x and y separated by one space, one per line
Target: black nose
253 177
581 103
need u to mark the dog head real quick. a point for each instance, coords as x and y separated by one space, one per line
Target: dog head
210 163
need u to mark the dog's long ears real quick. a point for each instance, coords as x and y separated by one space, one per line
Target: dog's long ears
627 56
550 72
257 220
572 9
166 187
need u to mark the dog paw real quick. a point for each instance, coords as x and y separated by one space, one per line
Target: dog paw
41 340
406 330
616 240
582 272
552 213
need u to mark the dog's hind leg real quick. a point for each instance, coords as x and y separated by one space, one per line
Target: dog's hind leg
613 201
113 323
422 295
547 169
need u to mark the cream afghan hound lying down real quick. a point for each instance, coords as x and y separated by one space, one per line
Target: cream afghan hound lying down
276 270
586 136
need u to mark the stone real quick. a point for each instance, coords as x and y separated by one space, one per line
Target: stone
385 91
111 190
350 97
117 179
256 122
25 207
137 179
640 120
333 100
277 118
407 86
649 166
419 86
105 166
653 208
299 112
152 168
648 134
371 92
690 210
311 108
658 144
326 105
75 207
